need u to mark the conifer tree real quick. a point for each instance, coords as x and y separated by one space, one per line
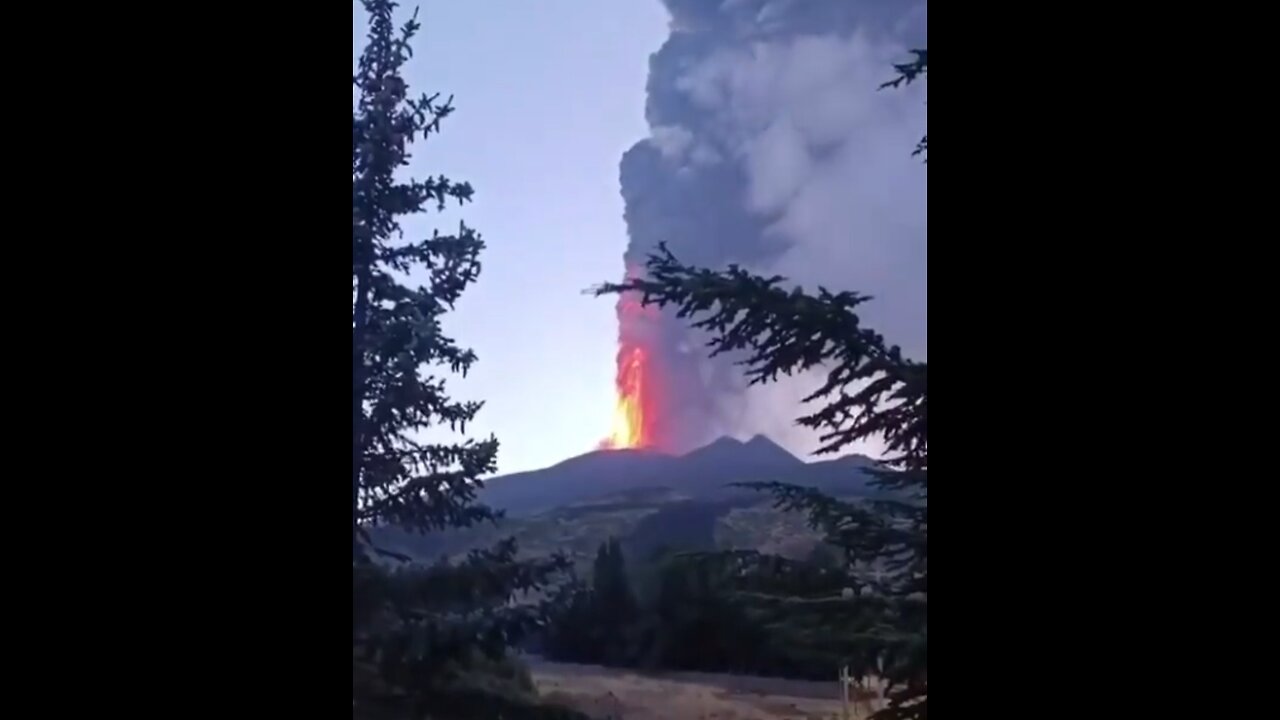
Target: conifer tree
614 603
570 635
871 390
418 632
612 587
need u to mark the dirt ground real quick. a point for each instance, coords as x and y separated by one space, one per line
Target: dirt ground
612 694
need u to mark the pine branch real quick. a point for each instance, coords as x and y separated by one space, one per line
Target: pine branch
906 74
870 391
786 332
909 72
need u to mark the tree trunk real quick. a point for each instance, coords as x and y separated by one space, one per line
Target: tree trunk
358 373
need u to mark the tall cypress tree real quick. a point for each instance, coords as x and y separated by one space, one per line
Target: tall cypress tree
418 632
612 587
614 603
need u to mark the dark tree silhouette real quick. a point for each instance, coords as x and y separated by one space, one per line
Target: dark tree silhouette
615 604
419 633
596 624
907 74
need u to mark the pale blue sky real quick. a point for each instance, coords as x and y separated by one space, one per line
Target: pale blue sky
549 94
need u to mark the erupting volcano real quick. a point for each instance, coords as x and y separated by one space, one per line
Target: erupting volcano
768 148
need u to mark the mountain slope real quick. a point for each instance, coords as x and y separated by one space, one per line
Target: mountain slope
649 501
701 474
596 474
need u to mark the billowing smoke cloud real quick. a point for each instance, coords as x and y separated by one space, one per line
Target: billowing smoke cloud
771 147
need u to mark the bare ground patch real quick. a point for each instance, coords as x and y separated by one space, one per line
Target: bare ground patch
615 694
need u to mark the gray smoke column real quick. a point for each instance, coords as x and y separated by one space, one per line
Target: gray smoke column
770 147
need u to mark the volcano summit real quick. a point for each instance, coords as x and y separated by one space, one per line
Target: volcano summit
703 473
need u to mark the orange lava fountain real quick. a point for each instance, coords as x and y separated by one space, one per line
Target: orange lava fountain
635 410
629 427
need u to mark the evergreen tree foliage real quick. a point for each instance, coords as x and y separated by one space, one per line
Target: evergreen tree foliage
871 390
616 609
571 635
826 556
908 73
396 334
696 625
427 641
614 599
596 624
691 621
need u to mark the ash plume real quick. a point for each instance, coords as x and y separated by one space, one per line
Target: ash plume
770 147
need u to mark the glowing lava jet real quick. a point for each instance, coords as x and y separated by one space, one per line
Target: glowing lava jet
636 409
629 417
